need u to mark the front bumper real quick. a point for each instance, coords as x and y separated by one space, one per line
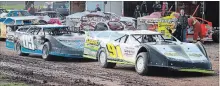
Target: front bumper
201 67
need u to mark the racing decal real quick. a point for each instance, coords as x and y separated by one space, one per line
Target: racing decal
129 51
195 55
114 51
28 42
92 42
171 54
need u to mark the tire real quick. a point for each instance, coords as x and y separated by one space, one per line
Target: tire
102 58
141 63
215 36
45 52
18 50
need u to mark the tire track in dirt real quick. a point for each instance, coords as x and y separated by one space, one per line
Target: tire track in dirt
88 71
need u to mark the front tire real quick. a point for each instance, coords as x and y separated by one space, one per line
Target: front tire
18 50
45 52
141 63
215 36
102 58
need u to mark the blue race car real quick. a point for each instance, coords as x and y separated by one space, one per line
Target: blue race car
46 40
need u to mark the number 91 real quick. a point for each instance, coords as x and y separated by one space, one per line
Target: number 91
114 51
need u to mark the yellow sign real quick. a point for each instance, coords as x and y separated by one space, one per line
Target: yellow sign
92 42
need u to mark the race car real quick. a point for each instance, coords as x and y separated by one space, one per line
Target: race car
109 25
2 10
156 22
144 49
89 19
10 24
46 40
50 17
82 20
10 20
126 21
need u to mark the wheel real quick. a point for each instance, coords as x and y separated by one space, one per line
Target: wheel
102 57
18 50
141 63
45 52
215 36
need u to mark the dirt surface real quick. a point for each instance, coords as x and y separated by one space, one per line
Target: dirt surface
85 72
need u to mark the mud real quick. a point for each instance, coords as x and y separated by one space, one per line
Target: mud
85 72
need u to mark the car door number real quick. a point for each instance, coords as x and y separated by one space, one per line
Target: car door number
28 42
114 51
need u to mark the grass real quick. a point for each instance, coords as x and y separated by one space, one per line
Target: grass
16 7
13 84
4 82
11 7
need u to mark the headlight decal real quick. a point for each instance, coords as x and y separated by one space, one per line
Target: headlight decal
171 54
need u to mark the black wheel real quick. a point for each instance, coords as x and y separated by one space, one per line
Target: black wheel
18 50
45 52
215 36
141 63
102 57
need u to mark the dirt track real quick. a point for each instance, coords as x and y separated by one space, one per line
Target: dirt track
83 72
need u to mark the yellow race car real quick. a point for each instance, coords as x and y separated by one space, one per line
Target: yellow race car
156 22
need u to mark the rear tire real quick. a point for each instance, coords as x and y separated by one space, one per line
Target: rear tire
141 64
45 52
215 36
18 50
102 57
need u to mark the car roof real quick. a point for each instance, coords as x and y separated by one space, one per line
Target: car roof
47 12
140 32
17 10
49 26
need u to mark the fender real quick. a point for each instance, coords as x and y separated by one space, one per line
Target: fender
2 19
201 47
155 57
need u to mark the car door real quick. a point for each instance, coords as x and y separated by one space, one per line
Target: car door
129 49
29 40
93 40
122 49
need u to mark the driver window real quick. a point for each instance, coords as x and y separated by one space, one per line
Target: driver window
117 37
33 30
24 29
132 40
148 38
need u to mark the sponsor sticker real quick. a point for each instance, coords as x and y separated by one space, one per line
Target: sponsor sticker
92 42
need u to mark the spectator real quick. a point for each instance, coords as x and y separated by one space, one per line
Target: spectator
31 9
144 8
157 6
97 8
197 29
137 12
183 23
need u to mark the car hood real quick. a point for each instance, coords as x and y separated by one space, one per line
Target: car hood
183 52
70 40
130 19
